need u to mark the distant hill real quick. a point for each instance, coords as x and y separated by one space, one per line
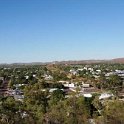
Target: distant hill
116 60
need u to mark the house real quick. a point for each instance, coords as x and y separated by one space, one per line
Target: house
87 95
85 85
63 82
90 69
27 77
70 85
110 73
80 69
85 68
24 114
19 97
48 77
53 89
74 72
120 71
105 96
99 71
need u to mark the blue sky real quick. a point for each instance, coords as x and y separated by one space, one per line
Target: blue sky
50 30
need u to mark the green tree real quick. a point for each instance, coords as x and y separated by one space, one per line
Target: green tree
114 112
56 96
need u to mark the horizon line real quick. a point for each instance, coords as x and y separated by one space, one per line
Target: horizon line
43 62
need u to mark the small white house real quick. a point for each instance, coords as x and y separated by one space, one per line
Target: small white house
48 77
88 95
80 69
71 85
99 71
86 85
64 82
53 89
90 69
27 77
73 72
105 96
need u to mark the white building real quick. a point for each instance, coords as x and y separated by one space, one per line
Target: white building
88 95
86 85
105 96
71 85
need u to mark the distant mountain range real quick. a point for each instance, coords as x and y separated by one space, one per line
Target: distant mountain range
116 60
